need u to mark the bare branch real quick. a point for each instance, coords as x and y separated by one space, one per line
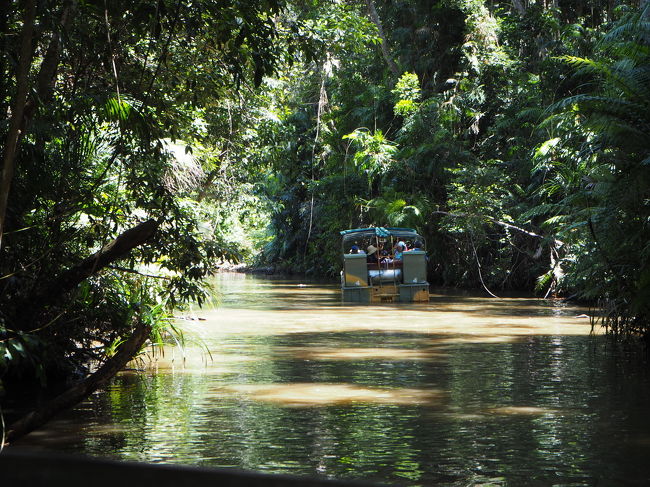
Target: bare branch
557 243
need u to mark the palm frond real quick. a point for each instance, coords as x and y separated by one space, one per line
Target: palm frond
633 29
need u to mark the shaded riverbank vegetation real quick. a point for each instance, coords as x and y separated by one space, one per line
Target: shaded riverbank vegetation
146 142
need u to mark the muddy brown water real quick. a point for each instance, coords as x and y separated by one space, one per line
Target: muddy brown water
279 376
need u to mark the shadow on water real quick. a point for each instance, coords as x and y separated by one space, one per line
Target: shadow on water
462 391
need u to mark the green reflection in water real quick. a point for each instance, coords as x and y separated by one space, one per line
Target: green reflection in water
464 391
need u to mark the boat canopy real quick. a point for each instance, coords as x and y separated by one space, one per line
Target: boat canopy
383 232
364 236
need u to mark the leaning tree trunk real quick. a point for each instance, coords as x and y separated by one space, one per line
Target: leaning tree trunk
117 249
52 292
80 391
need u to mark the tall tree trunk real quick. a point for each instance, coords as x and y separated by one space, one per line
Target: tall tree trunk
374 16
519 7
17 111
4 64
24 108
48 69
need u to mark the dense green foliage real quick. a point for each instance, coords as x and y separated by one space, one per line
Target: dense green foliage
512 135
128 105
597 177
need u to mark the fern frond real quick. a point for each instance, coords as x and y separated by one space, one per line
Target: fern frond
585 66
539 210
554 220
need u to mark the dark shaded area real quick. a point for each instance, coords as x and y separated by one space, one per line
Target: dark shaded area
36 469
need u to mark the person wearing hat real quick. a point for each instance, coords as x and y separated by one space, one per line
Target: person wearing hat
373 255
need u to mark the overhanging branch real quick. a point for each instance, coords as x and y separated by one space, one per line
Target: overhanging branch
557 243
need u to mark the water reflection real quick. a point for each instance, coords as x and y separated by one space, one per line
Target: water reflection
462 391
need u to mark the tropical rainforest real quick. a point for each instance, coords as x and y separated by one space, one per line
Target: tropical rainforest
148 143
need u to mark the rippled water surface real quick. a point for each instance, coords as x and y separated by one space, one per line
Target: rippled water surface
462 391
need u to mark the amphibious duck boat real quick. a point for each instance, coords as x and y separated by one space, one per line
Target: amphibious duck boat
383 264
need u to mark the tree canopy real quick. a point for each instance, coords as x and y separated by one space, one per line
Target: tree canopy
109 105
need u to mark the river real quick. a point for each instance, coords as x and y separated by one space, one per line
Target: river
279 376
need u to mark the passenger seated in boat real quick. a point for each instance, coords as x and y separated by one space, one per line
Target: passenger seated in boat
399 249
386 261
417 245
355 250
373 254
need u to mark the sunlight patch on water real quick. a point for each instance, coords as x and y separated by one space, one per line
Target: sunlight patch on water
476 339
369 353
464 416
322 394
426 320
522 411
